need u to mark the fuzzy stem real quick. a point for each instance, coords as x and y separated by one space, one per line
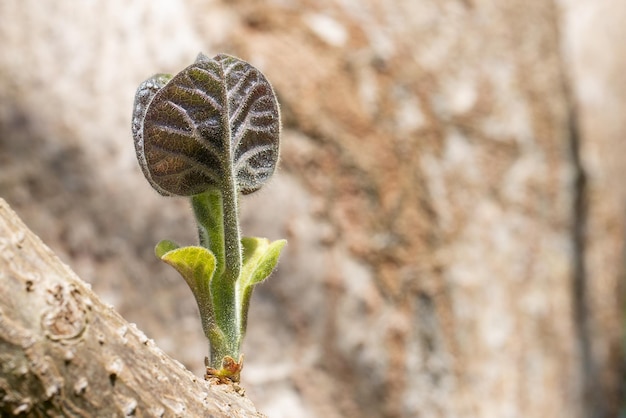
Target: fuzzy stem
208 210
218 227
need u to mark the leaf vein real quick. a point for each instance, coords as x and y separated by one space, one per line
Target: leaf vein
208 73
191 162
181 111
251 153
174 130
206 97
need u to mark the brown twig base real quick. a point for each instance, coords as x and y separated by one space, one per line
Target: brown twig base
229 373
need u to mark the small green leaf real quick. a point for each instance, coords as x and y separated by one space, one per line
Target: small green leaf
196 265
259 259
165 246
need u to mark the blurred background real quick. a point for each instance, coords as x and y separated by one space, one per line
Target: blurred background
452 186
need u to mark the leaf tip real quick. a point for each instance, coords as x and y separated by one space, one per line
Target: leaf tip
201 57
164 246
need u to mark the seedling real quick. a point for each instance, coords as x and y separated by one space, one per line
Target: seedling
211 133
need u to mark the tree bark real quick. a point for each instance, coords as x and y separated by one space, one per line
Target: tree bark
65 353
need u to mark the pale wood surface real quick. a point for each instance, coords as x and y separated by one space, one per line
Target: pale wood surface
63 352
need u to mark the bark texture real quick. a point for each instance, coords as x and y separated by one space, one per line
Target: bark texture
451 188
65 353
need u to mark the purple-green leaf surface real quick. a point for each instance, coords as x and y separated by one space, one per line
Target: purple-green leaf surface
216 124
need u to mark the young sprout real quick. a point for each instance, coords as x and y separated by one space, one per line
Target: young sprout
211 133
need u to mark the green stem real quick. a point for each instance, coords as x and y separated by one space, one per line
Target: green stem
232 237
244 304
208 210
218 227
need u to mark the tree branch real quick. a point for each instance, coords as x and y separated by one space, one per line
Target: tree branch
64 352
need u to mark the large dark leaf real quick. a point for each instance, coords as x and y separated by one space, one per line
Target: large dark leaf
214 123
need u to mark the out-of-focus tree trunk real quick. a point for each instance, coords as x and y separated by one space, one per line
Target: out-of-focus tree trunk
451 188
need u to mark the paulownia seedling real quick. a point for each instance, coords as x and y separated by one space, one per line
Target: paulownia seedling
211 133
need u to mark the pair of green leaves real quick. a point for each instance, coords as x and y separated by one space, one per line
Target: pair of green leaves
197 266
